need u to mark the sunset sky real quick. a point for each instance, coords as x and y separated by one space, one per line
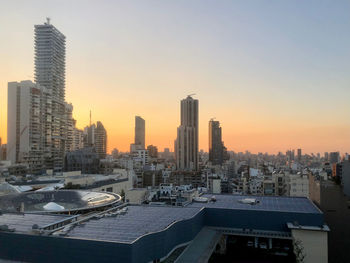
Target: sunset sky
276 74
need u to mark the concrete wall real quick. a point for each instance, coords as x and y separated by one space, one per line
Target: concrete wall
116 188
314 245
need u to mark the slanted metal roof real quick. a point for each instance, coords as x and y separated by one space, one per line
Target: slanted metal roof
136 222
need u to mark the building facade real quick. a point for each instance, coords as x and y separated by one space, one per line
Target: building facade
85 160
24 124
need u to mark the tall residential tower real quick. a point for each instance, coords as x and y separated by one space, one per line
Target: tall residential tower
216 149
50 64
186 143
140 131
101 140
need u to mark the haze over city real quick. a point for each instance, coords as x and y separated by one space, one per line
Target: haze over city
275 74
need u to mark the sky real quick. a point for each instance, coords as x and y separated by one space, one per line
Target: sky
274 73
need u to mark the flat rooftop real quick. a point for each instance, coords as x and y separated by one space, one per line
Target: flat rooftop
266 203
138 221
22 223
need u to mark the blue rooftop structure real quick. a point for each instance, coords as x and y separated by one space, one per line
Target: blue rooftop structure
145 233
137 222
264 203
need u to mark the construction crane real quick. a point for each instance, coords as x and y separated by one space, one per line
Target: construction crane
191 94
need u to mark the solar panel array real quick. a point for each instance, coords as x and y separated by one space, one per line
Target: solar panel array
266 203
23 222
138 221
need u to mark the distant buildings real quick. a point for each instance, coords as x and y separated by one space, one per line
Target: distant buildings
115 153
186 143
334 157
95 136
166 154
326 156
216 148
299 155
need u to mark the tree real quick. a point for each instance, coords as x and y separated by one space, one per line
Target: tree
299 251
122 194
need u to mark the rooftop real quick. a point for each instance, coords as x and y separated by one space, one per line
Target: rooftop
23 223
138 221
266 203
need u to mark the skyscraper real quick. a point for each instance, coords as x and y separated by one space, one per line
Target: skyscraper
334 157
216 150
101 140
139 132
24 124
186 143
299 155
50 63
95 136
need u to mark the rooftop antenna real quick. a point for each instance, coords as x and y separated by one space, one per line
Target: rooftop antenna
48 20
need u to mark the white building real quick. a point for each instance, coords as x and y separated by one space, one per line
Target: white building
299 184
141 156
25 128
214 184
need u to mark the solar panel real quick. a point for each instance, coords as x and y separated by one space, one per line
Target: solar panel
266 203
138 221
24 222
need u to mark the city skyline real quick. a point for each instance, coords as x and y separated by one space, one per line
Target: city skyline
291 108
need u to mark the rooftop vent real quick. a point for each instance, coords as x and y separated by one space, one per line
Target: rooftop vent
249 201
